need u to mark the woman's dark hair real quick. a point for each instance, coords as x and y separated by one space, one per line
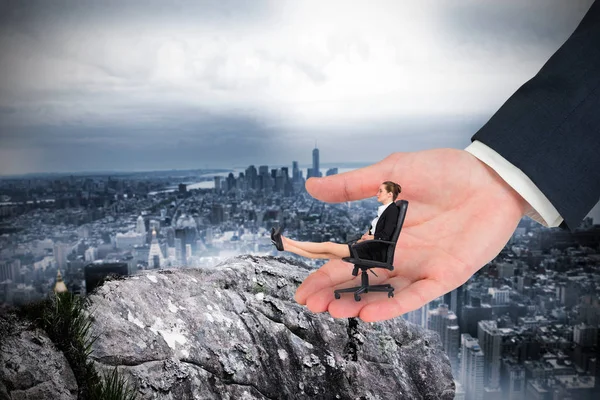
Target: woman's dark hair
393 188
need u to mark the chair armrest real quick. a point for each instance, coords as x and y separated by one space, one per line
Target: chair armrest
378 241
353 251
384 241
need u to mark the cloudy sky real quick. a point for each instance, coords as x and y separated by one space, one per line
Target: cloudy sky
153 84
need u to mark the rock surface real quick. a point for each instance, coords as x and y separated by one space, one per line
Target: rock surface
31 368
235 332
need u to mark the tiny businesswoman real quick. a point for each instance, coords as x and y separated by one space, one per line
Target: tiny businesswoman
384 224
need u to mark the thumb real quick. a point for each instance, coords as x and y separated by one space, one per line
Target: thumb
353 185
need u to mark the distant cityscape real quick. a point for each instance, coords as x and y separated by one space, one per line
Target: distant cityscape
85 226
525 326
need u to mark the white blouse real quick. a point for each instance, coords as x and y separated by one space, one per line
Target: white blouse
380 211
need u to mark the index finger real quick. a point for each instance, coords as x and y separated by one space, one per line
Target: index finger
352 185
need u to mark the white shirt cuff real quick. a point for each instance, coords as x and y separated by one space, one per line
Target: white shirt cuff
541 209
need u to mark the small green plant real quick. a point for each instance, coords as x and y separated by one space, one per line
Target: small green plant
64 318
114 387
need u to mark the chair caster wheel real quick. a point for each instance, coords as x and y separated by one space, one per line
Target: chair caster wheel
390 294
337 295
356 297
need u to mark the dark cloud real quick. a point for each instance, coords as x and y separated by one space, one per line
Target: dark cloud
511 25
175 84
35 15
212 140
7 110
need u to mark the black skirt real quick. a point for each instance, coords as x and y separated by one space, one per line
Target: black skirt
369 251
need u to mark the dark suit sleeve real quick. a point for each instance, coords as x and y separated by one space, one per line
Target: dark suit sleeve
550 127
389 224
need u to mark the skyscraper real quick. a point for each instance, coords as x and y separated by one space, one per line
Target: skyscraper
513 384
295 171
445 323
140 226
471 367
187 236
251 175
491 339
264 179
155 256
217 215
6 272
61 250
179 255
188 252
315 165
231 182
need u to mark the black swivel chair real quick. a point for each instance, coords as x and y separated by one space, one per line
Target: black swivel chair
366 265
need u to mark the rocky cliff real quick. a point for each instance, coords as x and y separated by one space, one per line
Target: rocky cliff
235 332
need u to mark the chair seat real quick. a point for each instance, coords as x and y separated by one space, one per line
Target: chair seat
367 263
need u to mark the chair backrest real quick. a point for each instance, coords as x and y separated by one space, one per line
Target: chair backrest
402 207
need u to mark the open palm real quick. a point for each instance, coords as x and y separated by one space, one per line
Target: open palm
460 215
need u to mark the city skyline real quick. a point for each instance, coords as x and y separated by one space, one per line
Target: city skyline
304 165
594 212
150 86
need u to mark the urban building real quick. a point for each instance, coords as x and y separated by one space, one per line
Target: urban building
471 367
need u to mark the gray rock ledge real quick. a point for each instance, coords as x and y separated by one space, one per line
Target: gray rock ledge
235 332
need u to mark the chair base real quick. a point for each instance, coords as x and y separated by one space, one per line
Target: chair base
365 288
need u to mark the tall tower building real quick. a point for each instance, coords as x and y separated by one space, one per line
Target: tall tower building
60 254
315 162
6 272
513 384
445 323
490 339
140 226
471 367
179 255
314 171
155 255
568 293
217 215
295 171
251 175
264 179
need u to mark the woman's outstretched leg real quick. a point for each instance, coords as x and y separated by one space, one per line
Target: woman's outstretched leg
323 247
308 254
326 250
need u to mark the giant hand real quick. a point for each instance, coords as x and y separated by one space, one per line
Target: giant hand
461 213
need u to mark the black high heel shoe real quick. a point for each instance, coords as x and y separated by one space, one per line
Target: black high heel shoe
276 238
